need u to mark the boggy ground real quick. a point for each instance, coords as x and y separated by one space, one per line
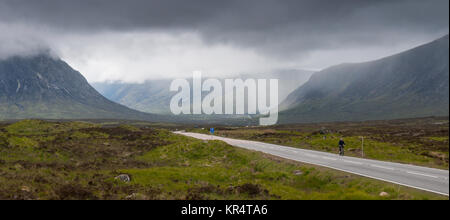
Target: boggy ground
80 160
422 141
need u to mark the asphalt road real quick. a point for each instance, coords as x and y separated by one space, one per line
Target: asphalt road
424 178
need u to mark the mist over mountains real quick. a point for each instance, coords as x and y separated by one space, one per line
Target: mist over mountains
45 87
414 83
42 86
153 96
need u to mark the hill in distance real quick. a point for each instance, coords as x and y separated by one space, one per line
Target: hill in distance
414 83
153 96
45 87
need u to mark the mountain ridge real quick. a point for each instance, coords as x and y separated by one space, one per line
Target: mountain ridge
413 83
153 96
42 86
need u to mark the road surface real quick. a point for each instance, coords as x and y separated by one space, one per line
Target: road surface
424 178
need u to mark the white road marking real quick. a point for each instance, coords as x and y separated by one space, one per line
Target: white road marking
329 158
422 174
353 162
311 155
382 167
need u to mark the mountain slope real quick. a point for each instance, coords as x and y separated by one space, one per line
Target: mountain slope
414 83
153 96
45 87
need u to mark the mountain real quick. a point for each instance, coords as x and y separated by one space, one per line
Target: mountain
153 96
288 80
414 83
42 86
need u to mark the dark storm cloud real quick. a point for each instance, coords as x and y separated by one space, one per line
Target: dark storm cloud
272 26
224 14
135 40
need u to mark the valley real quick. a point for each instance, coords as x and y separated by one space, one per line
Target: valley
410 84
140 160
62 139
231 108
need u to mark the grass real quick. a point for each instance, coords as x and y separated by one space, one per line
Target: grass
73 160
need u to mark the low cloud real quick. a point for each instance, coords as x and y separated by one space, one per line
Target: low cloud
137 40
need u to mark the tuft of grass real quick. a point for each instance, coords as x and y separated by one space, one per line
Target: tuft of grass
440 139
40 127
21 142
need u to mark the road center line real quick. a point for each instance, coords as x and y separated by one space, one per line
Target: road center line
353 162
382 167
329 158
311 155
422 174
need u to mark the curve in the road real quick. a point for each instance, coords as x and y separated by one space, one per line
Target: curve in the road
424 178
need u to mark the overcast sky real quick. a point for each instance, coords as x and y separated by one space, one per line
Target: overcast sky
134 40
